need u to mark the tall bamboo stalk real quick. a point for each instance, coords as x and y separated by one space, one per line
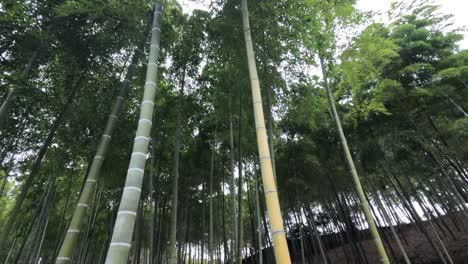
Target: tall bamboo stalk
352 169
240 225
28 183
123 230
386 216
259 222
86 197
459 108
232 188
172 251
13 90
152 205
210 242
271 194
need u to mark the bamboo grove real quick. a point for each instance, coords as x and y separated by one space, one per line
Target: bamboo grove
255 131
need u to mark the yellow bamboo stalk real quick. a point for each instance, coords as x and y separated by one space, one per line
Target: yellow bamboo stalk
271 194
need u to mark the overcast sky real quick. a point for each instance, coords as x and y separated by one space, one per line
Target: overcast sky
458 8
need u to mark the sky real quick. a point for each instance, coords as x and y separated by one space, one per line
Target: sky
456 7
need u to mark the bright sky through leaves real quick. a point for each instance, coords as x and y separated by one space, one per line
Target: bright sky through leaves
456 7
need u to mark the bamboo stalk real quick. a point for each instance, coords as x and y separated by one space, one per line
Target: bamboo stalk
271 194
119 247
357 182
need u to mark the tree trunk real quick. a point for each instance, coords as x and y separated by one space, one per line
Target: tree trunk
271 194
41 225
12 93
86 197
232 189
172 250
251 218
37 217
383 210
5 178
123 230
223 215
270 130
151 205
240 224
459 108
62 218
210 242
8 226
317 237
353 172
259 223
202 229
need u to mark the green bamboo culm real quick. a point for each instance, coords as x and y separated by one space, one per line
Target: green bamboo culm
119 247
86 197
349 160
13 91
278 234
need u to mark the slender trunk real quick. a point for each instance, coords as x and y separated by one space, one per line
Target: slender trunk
232 189
4 181
41 241
151 205
8 226
182 231
160 232
172 251
407 202
41 226
240 228
137 235
294 251
269 118
301 236
270 130
271 194
384 212
317 237
428 214
37 218
223 210
62 218
379 220
188 237
202 229
353 172
259 222
342 212
10 251
459 108
344 241
159 207
268 243
252 219
210 242
123 230
88 227
13 91
444 248
86 198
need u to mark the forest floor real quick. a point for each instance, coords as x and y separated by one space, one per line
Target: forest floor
418 248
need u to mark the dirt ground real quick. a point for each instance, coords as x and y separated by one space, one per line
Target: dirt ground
418 248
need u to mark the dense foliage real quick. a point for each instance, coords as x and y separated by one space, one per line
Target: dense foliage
400 91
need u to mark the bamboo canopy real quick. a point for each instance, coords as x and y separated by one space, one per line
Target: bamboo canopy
233 131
